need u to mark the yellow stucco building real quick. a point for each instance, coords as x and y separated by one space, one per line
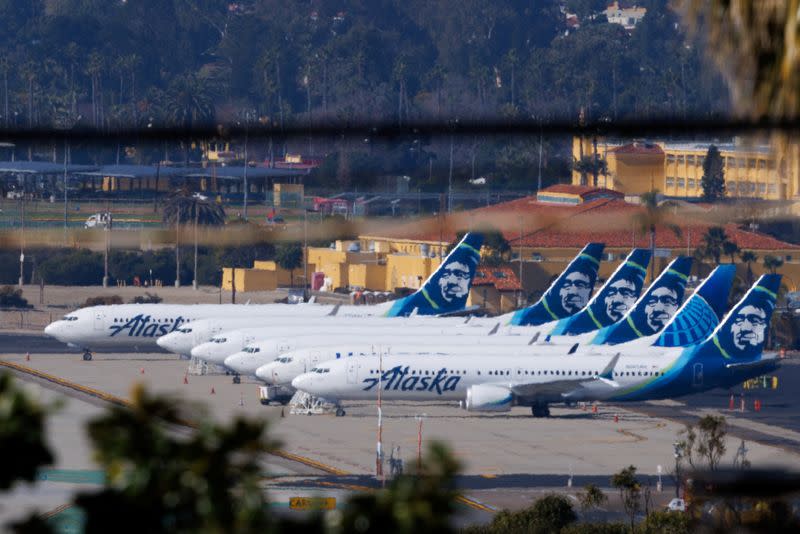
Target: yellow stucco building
676 169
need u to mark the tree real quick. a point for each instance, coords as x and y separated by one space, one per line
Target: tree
158 481
772 263
630 492
714 243
649 219
713 180
551 513
749 257
12 298
706 441
730 249
22 434
591 497
588 165
182 207
666 523
289 256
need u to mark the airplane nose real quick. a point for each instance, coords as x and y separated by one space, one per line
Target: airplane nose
50 329
164 342
235 362
301 382
266 373
200 351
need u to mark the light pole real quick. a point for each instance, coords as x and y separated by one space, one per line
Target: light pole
65 192
305 252
419 418
196 214
22 237
107 234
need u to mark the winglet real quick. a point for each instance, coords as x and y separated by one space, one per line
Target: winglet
608 372
573 348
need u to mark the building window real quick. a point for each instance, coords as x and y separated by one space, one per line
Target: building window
680 160
751 163
691 183
752 187
730 162
536 256
701 160
771 164
670 181
670 158
762 164
690 160
762 188
772 189
741 163
681 182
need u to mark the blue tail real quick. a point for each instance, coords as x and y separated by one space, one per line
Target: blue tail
654 309
613 300
742 334
568 294
701 314
447 289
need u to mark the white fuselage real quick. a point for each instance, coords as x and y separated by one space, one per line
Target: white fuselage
435 378
280 339
138 326
192 334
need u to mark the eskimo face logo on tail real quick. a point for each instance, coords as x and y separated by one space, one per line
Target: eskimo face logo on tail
144 326
621 295
575 291
660 306
454 282
748 328
401 379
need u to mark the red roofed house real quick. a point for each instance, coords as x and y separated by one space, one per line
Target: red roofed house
495 289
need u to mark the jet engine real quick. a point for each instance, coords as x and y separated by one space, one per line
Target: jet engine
488 398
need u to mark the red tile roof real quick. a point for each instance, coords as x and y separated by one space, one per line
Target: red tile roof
503 278
579 190
611 221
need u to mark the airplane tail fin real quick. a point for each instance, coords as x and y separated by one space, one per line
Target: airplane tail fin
741 335
613 300
701 313
579 276
654 308
447 288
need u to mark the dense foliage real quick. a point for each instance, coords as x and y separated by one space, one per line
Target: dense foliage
175 63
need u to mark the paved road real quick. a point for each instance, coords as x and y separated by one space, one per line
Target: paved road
39 343
779 409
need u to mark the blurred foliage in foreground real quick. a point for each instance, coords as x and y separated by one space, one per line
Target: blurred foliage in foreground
170 468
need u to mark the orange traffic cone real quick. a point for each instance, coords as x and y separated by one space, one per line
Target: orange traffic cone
141 371
594 408
213 392
185 379
616 418
730 403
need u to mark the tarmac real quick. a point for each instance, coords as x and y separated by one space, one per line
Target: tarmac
508 459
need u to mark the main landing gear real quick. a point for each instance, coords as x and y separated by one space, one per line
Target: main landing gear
540 410
237 379
87 356
340 412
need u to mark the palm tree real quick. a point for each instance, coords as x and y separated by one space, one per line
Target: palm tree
772 263
714 243
189 99
649 219
749 257
182 207
730 249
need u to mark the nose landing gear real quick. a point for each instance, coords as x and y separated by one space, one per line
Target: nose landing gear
87 356
237 379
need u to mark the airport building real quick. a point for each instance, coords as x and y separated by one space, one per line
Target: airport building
545 232
676 169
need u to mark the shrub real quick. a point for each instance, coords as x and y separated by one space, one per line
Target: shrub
148 298
12 298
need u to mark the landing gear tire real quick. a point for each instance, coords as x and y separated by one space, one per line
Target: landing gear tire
87 356
237 379
340 412
540 410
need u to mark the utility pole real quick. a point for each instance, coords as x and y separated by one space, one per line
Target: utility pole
107 243
305 252
379 449
196 215
450 179
22 238
65 191
419 419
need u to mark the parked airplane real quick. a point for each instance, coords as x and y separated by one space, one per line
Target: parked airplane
694 322
568 295
731 354
137 326
647 316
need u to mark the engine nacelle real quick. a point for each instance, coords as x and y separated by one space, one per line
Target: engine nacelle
488 398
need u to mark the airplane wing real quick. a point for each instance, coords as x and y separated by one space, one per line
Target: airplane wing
564 386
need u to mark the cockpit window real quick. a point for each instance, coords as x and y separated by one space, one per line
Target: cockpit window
220 340
252 350
185 330
69 318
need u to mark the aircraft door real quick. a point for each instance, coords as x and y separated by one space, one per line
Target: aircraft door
99 320
315 358
352 371
697 375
